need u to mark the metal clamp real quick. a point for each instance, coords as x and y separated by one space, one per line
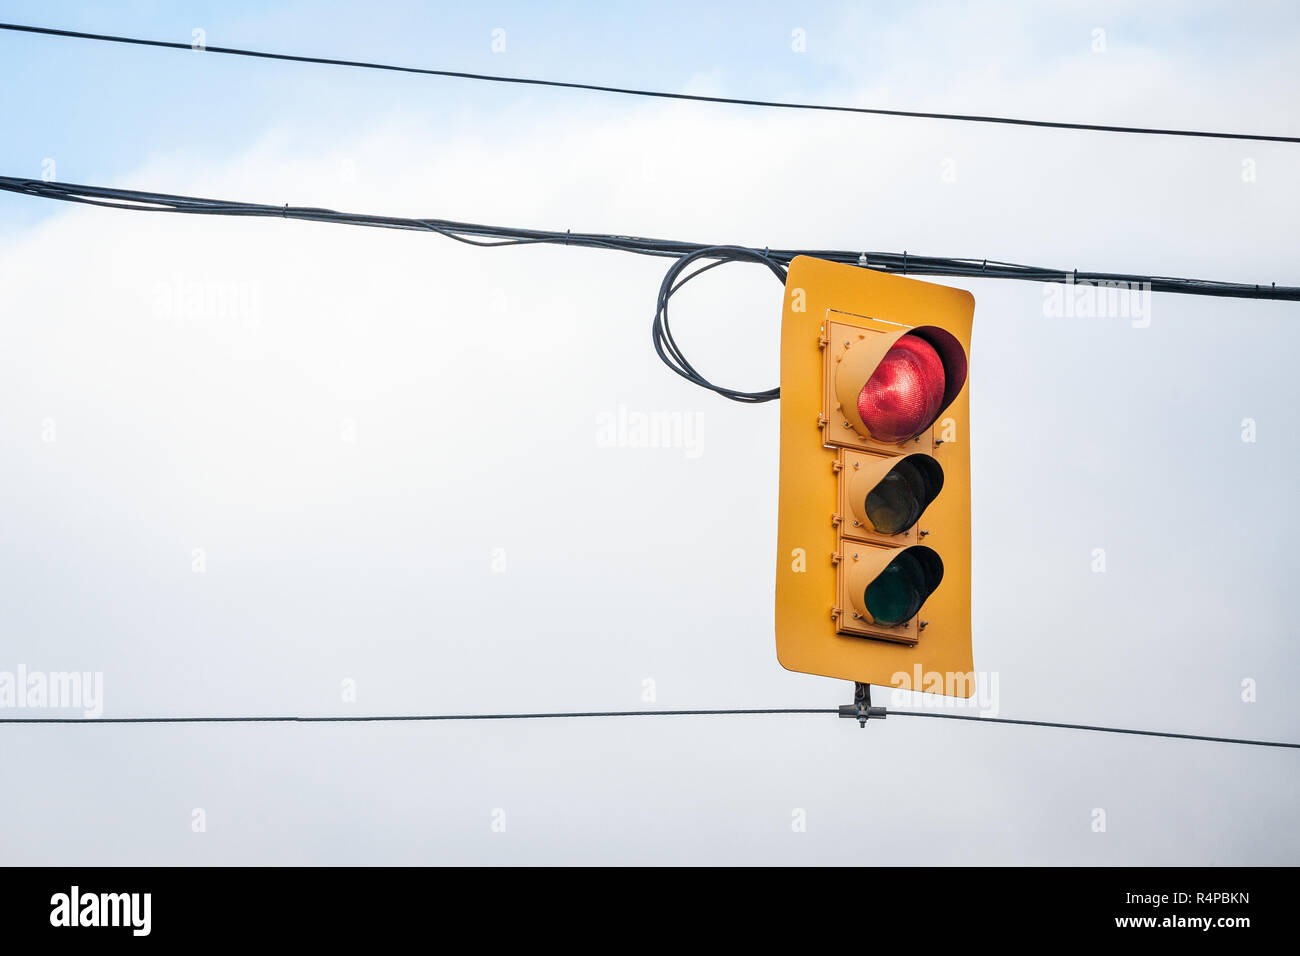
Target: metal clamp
861 709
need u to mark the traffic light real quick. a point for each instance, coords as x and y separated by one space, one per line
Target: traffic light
873 540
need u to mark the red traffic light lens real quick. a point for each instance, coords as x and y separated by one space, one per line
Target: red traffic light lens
905 392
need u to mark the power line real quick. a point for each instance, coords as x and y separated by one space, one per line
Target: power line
476 234
666 346
686 254
630 713
413 717
656 94
1092 727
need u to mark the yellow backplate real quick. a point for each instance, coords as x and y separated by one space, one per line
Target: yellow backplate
818 292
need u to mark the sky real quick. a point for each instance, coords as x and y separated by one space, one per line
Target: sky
266 467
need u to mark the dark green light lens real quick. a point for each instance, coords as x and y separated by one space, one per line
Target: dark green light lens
896 595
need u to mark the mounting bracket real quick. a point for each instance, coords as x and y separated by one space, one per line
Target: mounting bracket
861 709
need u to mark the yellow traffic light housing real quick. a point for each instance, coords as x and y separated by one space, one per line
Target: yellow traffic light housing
882 499
873 563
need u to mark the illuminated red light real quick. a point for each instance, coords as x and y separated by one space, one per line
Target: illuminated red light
905 393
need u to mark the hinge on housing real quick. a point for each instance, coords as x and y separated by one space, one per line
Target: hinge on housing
861 709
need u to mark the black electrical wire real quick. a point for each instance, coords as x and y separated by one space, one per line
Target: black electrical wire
631 713
477 234
413 717
666 346
656 94
686 254
1093 727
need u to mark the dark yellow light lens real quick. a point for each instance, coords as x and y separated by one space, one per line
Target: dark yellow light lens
896 503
